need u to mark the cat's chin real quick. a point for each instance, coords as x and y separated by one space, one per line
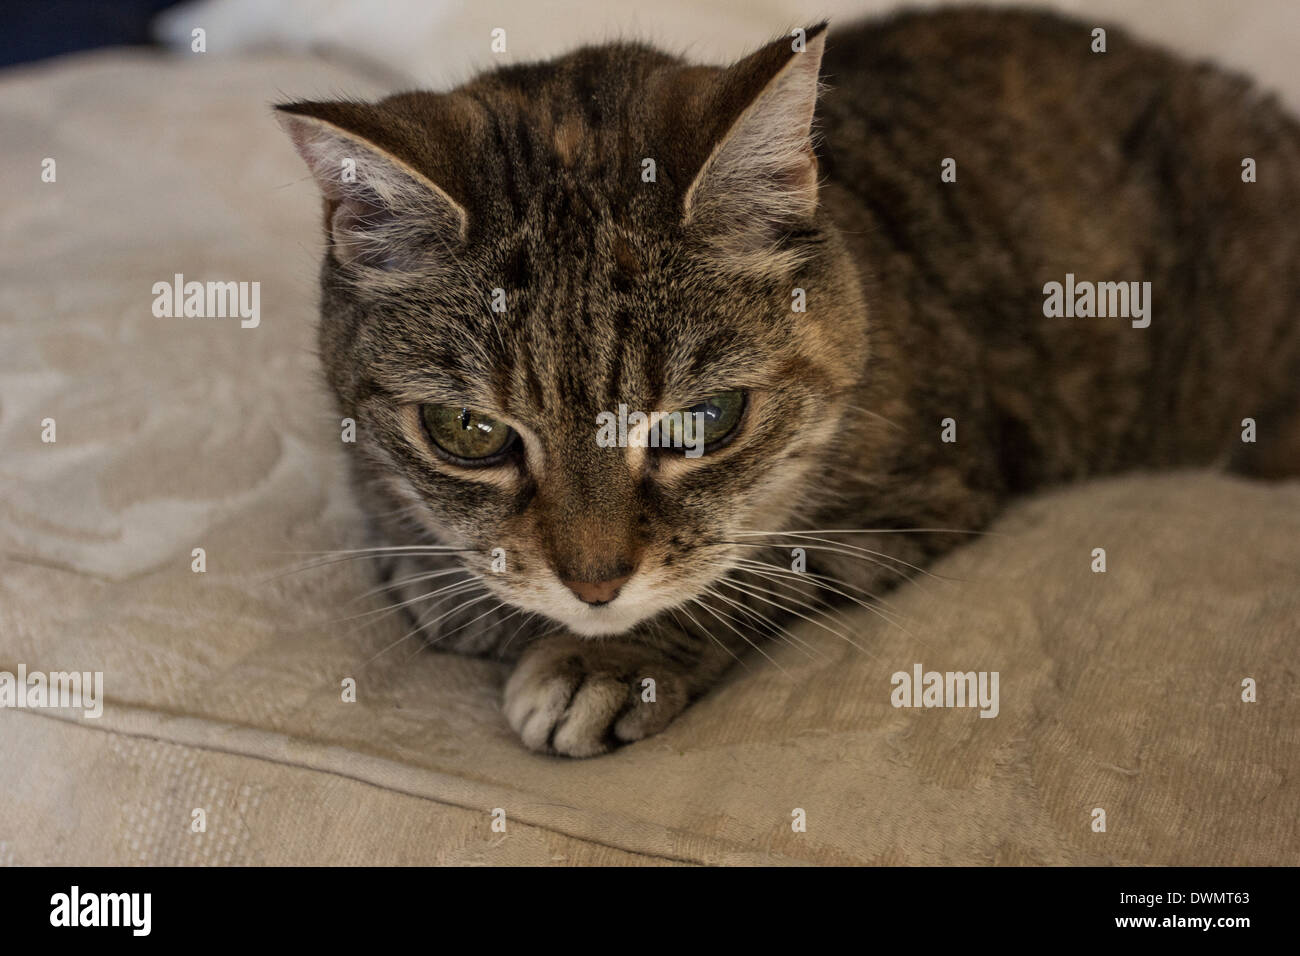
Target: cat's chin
603 621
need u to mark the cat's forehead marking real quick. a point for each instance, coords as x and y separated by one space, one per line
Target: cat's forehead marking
568 137
626 258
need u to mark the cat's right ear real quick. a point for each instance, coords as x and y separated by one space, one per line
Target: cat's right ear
380 212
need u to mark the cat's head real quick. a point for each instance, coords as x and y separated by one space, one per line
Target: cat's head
514 264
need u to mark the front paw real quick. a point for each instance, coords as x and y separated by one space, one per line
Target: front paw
581 697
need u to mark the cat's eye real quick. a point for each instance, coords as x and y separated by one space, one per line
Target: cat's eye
465 436
720 415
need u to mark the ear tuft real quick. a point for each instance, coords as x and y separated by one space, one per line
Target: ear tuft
760 180
379 211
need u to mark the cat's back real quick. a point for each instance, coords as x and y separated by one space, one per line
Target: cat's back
1000 73
1029 103
973 155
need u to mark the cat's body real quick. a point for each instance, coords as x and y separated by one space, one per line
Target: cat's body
924 303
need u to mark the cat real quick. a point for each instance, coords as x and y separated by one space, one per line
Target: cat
835 256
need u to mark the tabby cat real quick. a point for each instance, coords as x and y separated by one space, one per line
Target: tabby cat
833 255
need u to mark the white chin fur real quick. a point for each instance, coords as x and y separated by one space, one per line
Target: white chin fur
603 621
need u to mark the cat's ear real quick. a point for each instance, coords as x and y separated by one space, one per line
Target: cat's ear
759 181
380 211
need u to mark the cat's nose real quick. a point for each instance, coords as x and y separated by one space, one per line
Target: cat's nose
597 592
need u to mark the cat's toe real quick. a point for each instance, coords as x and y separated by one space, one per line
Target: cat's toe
581 701
643 719
584 728
561 706
534 707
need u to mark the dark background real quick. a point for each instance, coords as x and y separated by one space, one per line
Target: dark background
36 29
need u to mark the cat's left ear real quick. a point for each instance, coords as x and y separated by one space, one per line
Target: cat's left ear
760 179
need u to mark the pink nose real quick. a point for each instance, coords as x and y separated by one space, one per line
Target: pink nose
597 592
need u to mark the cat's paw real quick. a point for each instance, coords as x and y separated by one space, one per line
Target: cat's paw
580 698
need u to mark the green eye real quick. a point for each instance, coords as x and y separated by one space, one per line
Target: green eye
721 414
466 436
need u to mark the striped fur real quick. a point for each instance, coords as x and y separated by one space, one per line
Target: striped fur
923 303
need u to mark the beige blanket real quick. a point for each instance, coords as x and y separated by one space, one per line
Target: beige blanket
1119 691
